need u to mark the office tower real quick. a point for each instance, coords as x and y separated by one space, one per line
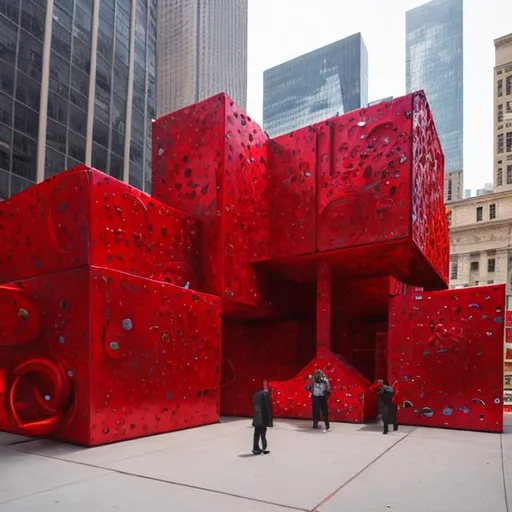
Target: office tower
202 50
315 86
77 84
434 62
503 114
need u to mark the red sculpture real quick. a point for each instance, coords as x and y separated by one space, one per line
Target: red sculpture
315 246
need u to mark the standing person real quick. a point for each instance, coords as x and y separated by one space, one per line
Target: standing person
262 418
320 389
387 403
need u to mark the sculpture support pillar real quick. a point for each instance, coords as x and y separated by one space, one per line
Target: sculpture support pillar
323 308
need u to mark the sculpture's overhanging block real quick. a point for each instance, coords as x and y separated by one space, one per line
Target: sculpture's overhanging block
92 356
83 217
375 176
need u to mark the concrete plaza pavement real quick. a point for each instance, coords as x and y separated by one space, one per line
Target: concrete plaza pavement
353 468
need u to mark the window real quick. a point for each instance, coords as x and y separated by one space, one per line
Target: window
76 147
24 156
5 109
54 162
500 88
32 19
77 120
479 213
492 211
509 107
499 177
8 38
59 69
449 190
500 143
509 142
57 108
27 91
61 40
474 266
509 174
509 85
449 219
30 57
454 271
56 136
491 265
99 158
500 113
490 282
26 120
116 167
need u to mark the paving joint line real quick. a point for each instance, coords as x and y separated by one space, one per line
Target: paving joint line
359 473
503 473
155 479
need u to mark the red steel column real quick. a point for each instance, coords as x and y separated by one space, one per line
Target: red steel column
323 308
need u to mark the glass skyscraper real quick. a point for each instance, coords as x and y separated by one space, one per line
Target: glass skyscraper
77 84
202 51
434 52
315 86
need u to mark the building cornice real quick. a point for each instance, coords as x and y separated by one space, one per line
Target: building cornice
494 196
481 226
503 41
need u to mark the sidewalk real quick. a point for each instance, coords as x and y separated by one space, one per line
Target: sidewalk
353 468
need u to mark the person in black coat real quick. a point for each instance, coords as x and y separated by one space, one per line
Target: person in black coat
262 419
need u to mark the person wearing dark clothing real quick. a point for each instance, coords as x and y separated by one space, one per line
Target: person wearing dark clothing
262 419
387 403
320 390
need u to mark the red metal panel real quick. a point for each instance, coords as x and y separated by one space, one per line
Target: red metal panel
211 160
45 228
446 350
112 357
188 161
364 195
260 350
429 221
293 173
350 401
381 356
83 216
323 308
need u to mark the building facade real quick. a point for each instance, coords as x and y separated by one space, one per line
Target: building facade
434 63
481 253
481 241
202 50
503 114
77 85
315 86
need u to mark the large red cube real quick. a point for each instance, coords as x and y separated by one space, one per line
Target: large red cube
384 185
210 160
445 348
92 356
84 217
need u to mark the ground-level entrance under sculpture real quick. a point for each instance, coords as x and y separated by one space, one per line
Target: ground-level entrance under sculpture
124 315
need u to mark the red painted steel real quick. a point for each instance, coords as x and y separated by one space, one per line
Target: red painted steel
210 160
446 350
82 217
306 242
293 160
112 356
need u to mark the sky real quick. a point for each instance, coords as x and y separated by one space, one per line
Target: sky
280 30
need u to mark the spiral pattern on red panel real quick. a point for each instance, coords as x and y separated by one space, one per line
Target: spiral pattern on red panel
42 388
